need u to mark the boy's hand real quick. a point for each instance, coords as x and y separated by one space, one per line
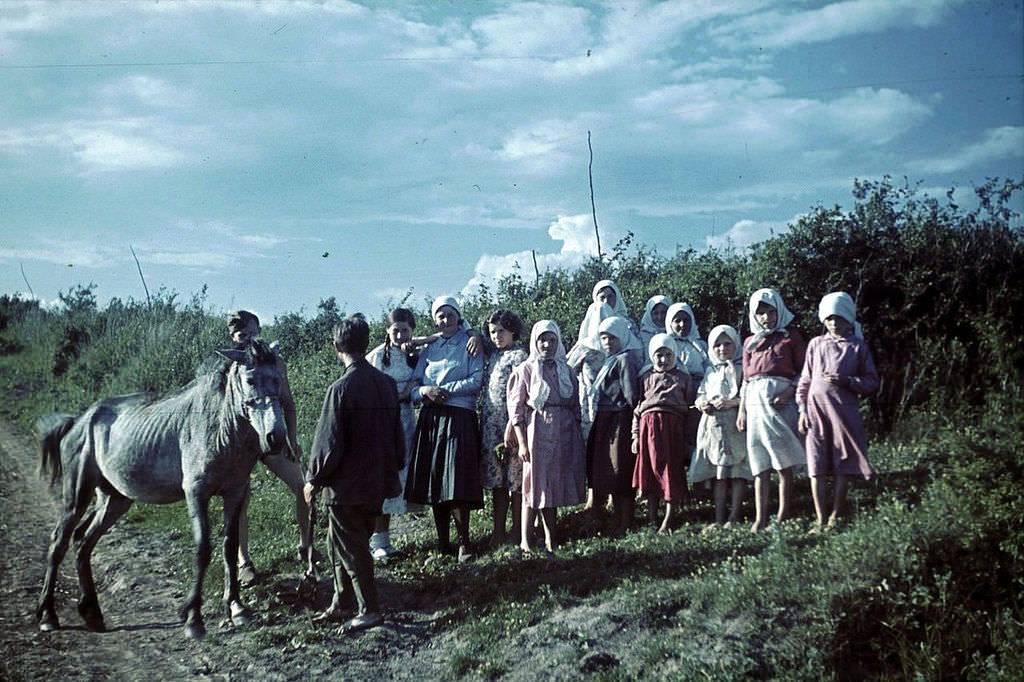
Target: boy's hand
803 424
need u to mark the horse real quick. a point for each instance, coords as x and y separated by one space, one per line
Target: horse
193 443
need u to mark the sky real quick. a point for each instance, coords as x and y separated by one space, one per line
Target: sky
280 153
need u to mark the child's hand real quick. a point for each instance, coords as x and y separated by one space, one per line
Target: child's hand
718 402
803 424
475 344
838 380
524 452
741 421
435 394
783 397
635 446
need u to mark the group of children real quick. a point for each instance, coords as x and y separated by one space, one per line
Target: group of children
653 409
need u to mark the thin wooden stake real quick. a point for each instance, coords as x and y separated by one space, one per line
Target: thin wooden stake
139 266
31 293
593 208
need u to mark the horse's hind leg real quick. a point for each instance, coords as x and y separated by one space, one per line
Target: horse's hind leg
110 507
76 501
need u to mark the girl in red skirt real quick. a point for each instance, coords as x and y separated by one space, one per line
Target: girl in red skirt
659 430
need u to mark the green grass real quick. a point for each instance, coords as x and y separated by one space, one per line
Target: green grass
923 582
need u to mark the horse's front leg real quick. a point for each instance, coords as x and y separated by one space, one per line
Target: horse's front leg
233 504
198 511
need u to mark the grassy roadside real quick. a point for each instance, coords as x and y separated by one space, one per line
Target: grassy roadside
925 581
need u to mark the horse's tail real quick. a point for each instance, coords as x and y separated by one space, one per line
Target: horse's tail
50 429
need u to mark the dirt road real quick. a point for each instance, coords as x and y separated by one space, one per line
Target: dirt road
141 585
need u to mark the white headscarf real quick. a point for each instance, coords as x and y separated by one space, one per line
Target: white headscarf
619 328
673 310
590 328
647 325
539 391
444 301
840 303
772 298
726 383
620 305
657 342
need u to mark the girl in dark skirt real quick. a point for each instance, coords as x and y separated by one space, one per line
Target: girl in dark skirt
610 458
444 466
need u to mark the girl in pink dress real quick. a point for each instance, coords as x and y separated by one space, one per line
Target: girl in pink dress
837 371
544 410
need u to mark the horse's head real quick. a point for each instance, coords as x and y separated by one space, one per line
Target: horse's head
256 383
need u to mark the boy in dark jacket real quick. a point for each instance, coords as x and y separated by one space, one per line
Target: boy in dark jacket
357 452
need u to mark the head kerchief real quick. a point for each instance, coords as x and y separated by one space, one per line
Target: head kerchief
772 298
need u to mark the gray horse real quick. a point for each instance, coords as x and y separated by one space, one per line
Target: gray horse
199 441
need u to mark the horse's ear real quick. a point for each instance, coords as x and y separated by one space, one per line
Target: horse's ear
232 354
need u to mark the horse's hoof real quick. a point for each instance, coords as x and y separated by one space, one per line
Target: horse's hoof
240 614
48 624
195 631
95 624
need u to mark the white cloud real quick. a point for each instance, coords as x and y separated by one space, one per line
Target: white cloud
783 28
579 242
533 29
1006 142
745 233
105 145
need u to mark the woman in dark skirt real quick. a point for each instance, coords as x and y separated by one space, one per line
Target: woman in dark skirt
444 466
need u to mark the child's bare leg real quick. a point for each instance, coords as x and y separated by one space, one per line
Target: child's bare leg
516 512
819 491
500 497
652 509
786 492
549 517
666 522
529 514
290 472
839 506
590 499
739 491
761 495
719 491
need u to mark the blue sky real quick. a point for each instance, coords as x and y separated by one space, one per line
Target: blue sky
283 152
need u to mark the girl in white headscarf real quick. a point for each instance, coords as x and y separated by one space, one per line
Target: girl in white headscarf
721 453
838 370
659 434
772 359
653 321
444 463
610 458
544 410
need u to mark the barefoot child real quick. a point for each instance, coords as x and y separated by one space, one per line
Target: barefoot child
839 369
721 453
610 458
772 359
544 409
502 476
659 436
681 323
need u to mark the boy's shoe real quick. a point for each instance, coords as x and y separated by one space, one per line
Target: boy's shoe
361 622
